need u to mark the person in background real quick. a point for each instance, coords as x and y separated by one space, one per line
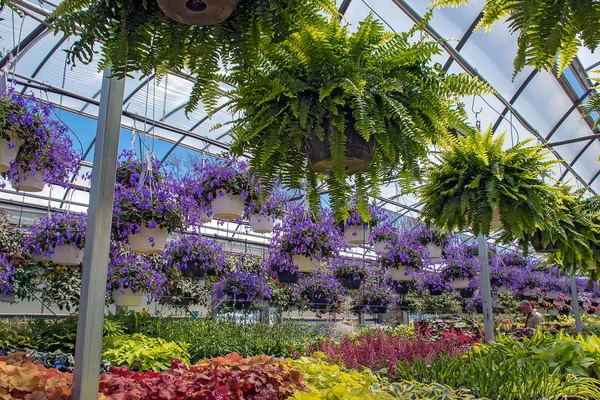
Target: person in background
534 318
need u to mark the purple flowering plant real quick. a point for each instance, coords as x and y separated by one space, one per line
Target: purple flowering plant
475 304
56 230
319 290
384 230
153 202
127 270
405 250
195 251
230 175
244 286
313 236
355 219
272 205
458 263
431 279
7 274
553 281
45 144
426 234
376 293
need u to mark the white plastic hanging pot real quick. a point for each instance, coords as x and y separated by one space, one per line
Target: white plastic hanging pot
140 243
559 303
399 274
503 289
542 310
380 247
7 298
355 235
262 223
529 292
9 149
435 251
67 254
496 221
42 258
227 206
127 299
305 264
460 284
29 183
553 311
553 294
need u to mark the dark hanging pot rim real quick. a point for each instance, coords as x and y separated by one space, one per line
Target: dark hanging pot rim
198 12
287 277
359 152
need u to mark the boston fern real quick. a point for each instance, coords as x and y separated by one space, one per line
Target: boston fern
324 78
550 32
137 36
474 176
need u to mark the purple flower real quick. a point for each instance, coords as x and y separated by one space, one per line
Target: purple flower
242 286
56 230
199 251
319 288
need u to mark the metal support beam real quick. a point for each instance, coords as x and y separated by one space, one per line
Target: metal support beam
574 140
344 6
514 99
95 267
576 104
575 303
486 292
464 40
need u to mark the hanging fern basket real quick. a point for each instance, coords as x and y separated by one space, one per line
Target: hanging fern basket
359 152
539 247
198 12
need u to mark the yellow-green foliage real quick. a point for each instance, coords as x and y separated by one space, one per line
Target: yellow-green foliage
142 352
331 382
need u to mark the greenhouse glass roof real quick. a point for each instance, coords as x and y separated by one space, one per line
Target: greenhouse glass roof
534 104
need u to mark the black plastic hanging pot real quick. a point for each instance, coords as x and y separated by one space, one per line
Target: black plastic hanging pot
433 291
198 12
402 288
287 277
193 270
240 305
359 152
467 293
378 308
350 283
319 304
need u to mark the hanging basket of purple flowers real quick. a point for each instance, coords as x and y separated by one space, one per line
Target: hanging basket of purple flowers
433 239
226 186
319 291
349 272
459 267
376 297
196 256
356 230
34 148
383 234
7 278
146 206
262 214
242 290
303 241
59 238
404 256
131 277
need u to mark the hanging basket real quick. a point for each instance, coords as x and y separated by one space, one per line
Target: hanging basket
42 258
140 242
529 292
262 223
460 284
318 304
356 235
400 274
287 277
467 293
67 254
9 149
227 206
304 263
193 270
433 291
402 288
380 247
239 305
537 245
198 12
127 299
435 251
378 308
29 183
350 283
7 298
359 152
503 289
553 311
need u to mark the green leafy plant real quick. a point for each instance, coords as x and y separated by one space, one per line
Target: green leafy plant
136 35
550 32
323 82
139 352
474 177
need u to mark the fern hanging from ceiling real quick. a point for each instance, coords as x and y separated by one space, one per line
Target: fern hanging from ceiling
135 35
398 98
550 32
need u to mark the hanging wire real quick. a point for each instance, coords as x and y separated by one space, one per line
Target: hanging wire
477 121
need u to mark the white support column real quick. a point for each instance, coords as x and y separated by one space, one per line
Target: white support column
485 289
575 302
95 267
